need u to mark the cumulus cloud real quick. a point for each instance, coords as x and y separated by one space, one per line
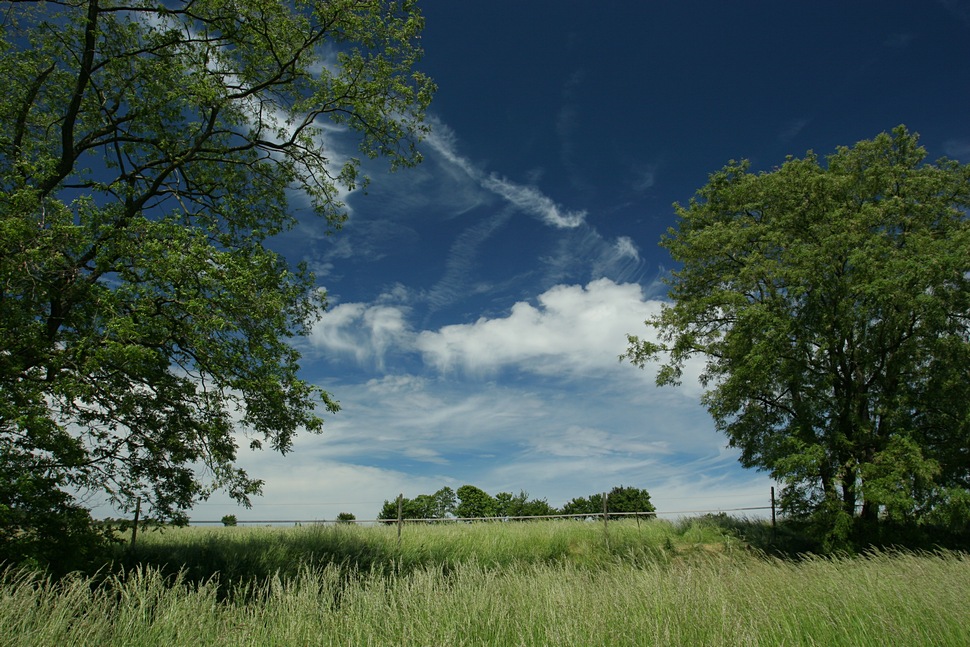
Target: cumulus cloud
572 329
366 332
569 332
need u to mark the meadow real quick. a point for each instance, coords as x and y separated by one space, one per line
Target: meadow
531 583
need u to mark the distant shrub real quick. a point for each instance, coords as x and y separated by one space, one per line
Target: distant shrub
229 520
346 517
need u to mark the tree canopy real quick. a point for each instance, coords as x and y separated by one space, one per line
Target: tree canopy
468 502
439 505
620 499
475 502
830 306
148 151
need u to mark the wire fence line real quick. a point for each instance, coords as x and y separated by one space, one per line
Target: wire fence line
582 515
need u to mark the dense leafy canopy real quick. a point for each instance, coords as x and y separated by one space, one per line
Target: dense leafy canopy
147 152
620 499
520 505
439 505
831 306
467 502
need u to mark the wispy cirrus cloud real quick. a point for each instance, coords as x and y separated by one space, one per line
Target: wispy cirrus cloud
532 201
586 254
412 435
957 149
526 198
792 128
461 260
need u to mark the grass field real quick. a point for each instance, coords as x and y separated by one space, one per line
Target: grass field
536 583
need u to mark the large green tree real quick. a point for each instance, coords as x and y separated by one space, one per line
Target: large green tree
148 152
520 505
830 306
474 502
620 499
439 505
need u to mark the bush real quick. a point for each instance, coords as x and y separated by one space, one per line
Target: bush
42 527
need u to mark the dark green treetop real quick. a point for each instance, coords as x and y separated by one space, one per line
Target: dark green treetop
620 499
830 306
147 152
475 502
439 505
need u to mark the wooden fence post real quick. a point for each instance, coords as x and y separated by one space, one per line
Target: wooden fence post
606 528
400 517
772 513
134 526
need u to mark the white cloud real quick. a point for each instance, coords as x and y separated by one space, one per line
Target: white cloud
461 260
532 201
589 442
443 141
626 248
572 330
410 434
528 199
366 332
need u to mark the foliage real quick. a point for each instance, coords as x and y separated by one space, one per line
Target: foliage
42 526
619 499
148 151
346 517
229 520
439 505
474 502
830 305
629 499
520 505
469 501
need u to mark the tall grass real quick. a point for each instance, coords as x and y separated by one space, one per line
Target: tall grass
659 584
242 554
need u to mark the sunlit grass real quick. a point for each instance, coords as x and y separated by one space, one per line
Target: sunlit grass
544 583
238 552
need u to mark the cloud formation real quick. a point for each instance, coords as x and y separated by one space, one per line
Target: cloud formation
958 149
365 332
572 329
532 201
527 199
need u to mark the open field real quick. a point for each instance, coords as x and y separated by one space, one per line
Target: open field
537 583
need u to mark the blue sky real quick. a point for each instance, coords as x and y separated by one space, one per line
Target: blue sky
478 303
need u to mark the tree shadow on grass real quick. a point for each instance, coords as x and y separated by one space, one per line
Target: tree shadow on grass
243 561
793 538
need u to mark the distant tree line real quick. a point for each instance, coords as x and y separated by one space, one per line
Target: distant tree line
469 501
